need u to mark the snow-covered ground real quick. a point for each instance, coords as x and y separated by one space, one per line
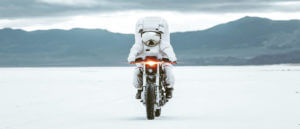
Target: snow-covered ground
248 97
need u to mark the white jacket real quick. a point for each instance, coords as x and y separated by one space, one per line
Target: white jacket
163 50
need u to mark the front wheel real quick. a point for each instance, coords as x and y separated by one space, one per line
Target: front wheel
150 101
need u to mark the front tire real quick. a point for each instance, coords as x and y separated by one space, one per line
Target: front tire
150 101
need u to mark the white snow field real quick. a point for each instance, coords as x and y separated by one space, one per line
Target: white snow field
212 97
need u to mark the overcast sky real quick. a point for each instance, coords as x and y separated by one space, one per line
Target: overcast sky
121 15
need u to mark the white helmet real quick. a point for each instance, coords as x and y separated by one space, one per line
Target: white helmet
151 38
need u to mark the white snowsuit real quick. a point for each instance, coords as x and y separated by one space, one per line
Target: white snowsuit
162 50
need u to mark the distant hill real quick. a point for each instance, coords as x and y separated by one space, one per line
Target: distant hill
246 41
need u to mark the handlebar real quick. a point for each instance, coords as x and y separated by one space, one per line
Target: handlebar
136 62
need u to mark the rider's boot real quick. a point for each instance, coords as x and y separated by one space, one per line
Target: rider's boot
138 94
169 93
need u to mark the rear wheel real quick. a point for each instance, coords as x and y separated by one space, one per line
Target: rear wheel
157 112
150 101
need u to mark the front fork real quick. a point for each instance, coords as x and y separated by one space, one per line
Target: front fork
144 84
157 80
157 99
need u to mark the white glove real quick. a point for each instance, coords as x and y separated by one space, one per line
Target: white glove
131 59
172 59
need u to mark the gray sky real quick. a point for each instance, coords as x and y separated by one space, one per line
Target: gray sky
120 15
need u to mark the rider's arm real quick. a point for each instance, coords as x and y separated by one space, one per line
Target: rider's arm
138 46
135 49
168 50
165 44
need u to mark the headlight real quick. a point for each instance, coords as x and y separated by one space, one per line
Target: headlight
150 70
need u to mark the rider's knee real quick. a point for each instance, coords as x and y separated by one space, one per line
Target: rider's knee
168 68
137 81
170 79
138 71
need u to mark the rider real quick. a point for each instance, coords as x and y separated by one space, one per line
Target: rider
152 38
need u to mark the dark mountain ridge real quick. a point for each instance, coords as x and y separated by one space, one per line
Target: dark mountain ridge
246 41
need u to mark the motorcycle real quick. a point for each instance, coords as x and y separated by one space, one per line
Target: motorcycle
154 88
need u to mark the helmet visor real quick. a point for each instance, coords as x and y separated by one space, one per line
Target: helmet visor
151 43
151 38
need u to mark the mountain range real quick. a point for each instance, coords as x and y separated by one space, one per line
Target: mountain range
246 41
